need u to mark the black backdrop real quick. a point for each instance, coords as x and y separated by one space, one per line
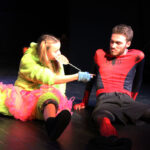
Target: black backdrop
86 26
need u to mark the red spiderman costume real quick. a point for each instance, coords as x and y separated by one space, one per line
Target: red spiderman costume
118 80
116 73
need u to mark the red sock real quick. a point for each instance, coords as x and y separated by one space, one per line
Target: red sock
106 128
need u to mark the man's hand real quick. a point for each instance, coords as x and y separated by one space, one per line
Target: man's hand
134 95
79 106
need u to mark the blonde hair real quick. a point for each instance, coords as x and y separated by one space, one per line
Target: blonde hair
43 45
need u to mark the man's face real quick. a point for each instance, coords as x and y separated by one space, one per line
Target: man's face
118 44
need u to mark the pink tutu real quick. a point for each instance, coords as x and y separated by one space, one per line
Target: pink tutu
22 104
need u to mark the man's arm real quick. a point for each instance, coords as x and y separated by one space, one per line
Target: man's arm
138 79
87 93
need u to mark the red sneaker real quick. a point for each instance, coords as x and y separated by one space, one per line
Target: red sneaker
106 128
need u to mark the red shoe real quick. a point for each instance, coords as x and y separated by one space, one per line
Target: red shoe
106 128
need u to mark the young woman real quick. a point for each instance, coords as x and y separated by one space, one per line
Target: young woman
39 91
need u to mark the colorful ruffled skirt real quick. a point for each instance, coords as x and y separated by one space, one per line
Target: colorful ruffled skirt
26 105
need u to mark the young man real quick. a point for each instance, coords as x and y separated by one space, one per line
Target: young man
118 79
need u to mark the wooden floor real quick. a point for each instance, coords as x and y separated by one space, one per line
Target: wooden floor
31 135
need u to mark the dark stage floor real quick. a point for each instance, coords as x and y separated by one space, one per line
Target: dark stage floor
17 135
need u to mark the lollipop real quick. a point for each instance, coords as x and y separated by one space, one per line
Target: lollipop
63 60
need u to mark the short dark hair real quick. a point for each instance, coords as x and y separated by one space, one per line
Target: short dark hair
125 30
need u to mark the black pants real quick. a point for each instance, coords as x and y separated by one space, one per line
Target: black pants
120 106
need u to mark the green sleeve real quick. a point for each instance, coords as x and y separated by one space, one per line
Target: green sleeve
32 70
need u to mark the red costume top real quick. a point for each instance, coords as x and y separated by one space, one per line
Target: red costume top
117 74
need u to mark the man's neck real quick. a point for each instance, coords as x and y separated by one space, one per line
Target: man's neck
125 52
